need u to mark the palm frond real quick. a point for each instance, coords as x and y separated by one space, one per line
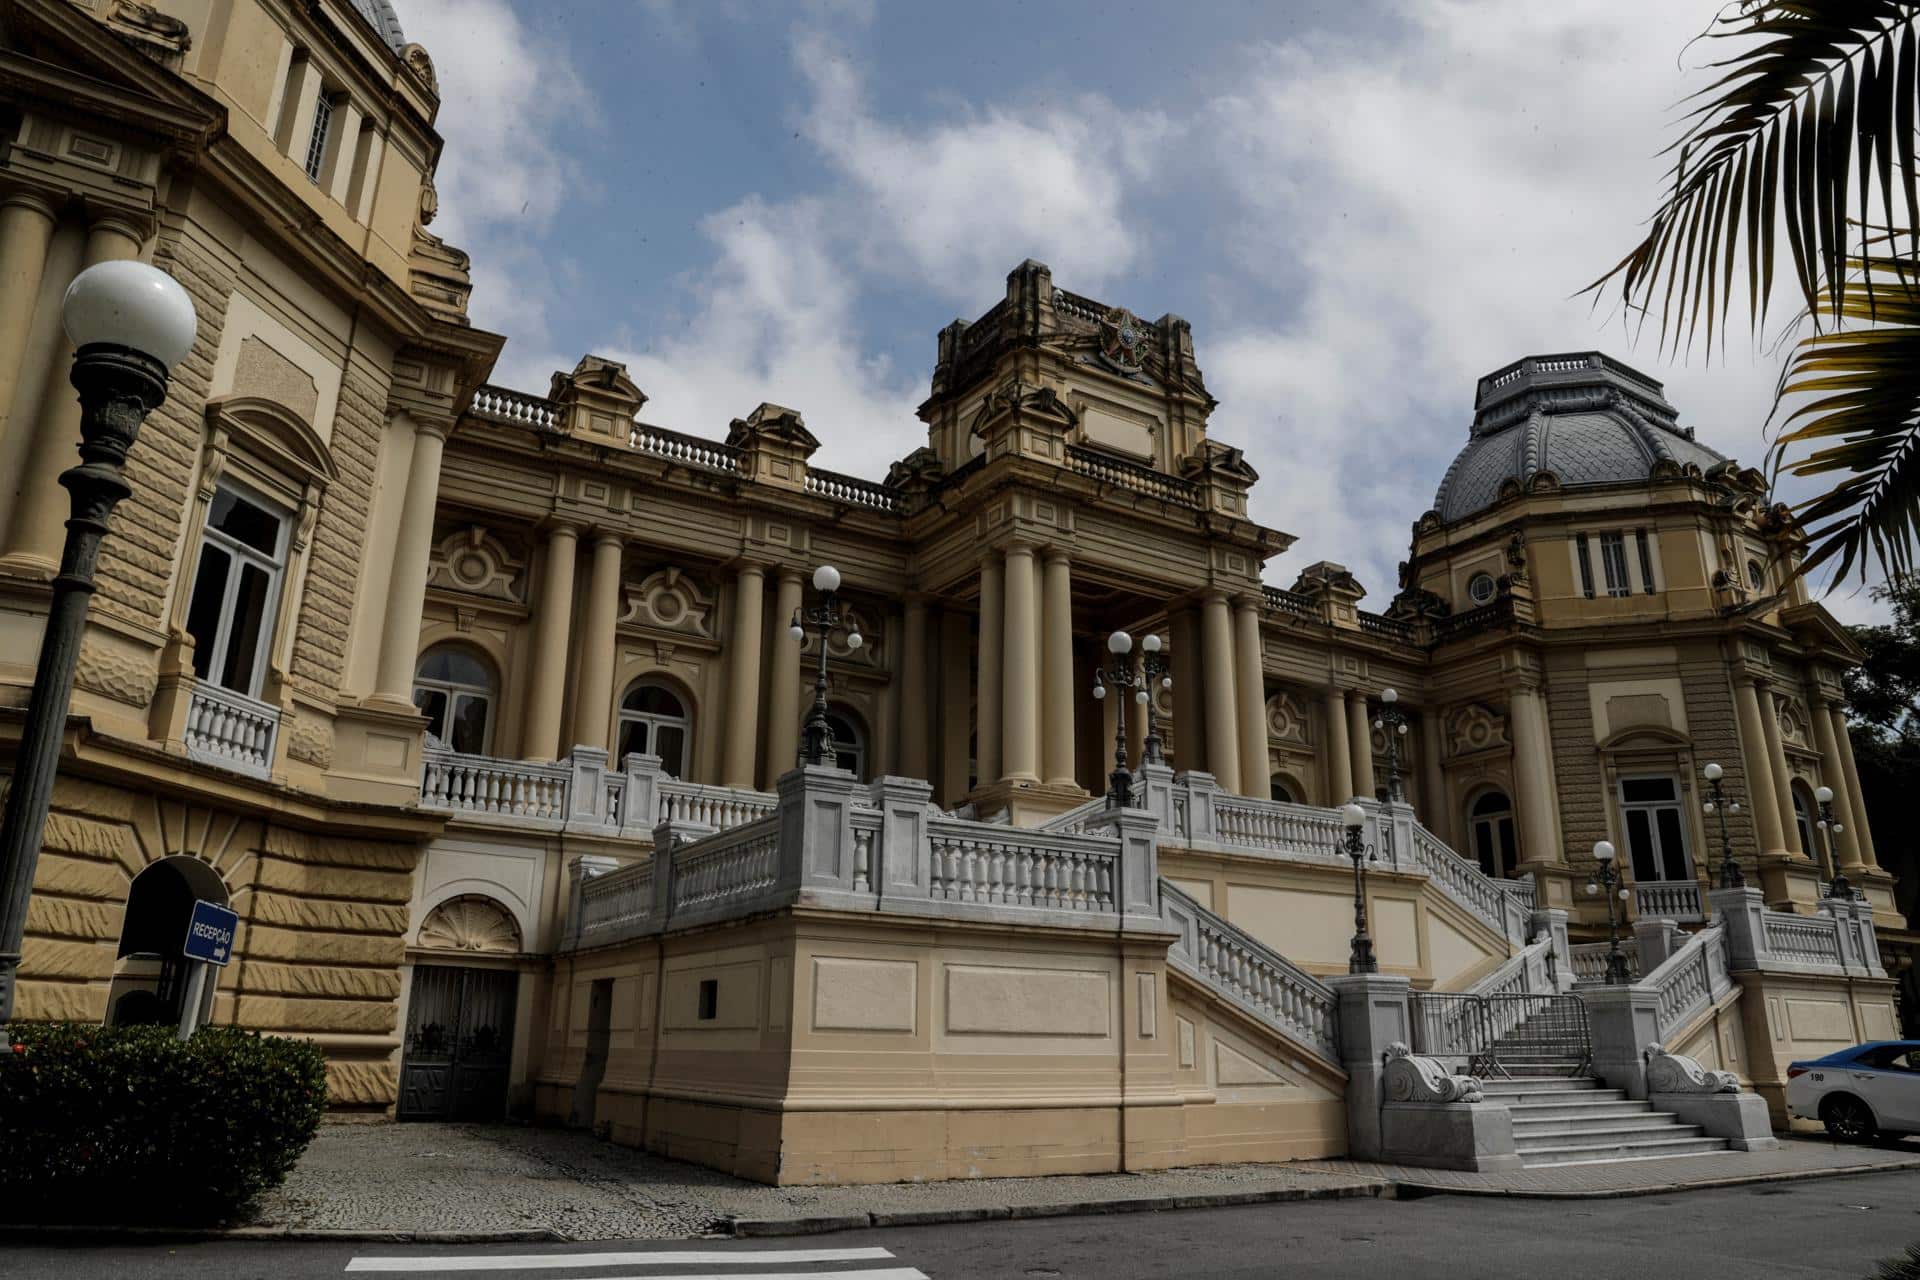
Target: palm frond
1856 395
1819 100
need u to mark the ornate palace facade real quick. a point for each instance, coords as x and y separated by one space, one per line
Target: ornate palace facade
426 677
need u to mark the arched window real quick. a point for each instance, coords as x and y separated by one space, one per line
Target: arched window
1490 819
1803 820
453 687
849 742
654 721
1278 790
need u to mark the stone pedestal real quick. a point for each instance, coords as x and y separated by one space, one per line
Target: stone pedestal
1477 1137
1740 1118
1373 1015
1623 1021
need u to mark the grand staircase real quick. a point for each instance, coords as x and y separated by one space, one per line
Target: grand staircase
1562 1120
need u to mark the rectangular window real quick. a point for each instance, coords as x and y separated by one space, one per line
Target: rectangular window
1613 561
236 591
1656 835
709 999
1646 560
322 129
1586 564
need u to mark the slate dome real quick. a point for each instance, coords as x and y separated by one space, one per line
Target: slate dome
1580 419
380 15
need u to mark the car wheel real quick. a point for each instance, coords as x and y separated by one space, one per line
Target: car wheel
1848 1119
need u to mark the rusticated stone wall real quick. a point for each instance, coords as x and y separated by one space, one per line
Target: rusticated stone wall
1716 737
1576 766
323 919
137 560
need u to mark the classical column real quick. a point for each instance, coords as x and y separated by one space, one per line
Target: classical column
26 230
1539 841
1360 743
742 730
783 683
987 698
38 524
1223 733
1339 753
1250 683
552 628
407 585
916 722
1189 709
593 697
1056 657
1753 742
1435 812
956 706
1782 776
1019 704
1855 801
1834 773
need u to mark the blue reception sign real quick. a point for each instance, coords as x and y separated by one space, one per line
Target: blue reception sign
210 933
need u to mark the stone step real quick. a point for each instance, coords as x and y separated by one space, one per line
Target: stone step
1531 1082
1550 1089
1560 1133
1595 1152
1572 1110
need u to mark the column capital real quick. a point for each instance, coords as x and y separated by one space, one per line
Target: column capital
604 536
549 526
431 425
22 197
750 564
1056 553
134 226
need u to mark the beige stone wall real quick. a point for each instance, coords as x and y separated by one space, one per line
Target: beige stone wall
322 923
1788 1019
1306 914
849 1049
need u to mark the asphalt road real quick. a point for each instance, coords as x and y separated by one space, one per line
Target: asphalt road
1834 1227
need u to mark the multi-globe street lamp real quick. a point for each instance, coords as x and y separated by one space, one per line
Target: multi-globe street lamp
1360 957
1606 877
1717 803
1153 666
1393 723
823 619
1121 674
130 324
1838 886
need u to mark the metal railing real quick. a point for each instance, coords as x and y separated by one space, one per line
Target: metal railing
1498 1035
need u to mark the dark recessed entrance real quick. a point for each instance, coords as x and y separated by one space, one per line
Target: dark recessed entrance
459 1043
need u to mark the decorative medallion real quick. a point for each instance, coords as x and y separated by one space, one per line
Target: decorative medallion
1123 340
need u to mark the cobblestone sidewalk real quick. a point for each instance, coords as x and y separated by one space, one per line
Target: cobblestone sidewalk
490 1181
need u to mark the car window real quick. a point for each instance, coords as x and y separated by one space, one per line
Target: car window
1889 1057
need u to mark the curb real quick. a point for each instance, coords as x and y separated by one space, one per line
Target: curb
1412 1189
759 1227
87 1234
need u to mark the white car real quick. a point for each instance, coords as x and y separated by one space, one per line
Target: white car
1860 1093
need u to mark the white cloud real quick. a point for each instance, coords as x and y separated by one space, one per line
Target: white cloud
1432 206
508 97
955 205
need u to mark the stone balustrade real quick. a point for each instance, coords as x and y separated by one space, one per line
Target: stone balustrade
1590 960
483 786
1669 899
231 730
734 866
619 905
1252 974
1009 866
721 808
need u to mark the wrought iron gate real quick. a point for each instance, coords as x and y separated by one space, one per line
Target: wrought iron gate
459 1042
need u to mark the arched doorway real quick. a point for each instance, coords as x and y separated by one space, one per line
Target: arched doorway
1490 821
460 1016
149 973
849 741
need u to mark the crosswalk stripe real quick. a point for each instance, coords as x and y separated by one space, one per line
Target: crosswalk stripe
661 1258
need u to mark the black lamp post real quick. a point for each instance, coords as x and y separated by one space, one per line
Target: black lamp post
130 324
1393 723
1360 958
1153 666
1717 803
1121 675
821 618
1838 886
1606 877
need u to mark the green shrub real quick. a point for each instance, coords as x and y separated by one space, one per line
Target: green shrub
130 1123
1904 1268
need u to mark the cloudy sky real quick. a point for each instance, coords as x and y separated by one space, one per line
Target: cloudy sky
1360 206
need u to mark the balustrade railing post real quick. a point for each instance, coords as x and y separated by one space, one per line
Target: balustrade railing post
816 831
1742 912
1374 1013
1552 921
588 787
641 809
1137 895
903 849
1658 938
1203 827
